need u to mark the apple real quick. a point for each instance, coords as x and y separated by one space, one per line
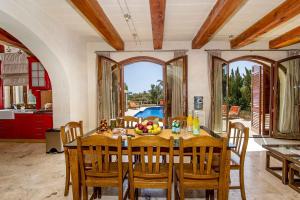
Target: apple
144 123
150 123
145 130
140 126
136 125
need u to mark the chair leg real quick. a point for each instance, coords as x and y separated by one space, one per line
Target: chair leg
120 192
181 192
136 193
84 193
209 194
242 184
169 195
67 183
99 192
131 193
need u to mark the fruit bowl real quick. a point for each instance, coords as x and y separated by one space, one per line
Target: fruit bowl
147 128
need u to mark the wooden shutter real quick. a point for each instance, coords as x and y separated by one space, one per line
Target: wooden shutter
256 99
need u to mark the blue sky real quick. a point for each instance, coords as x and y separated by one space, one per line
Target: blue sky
242 65
140 75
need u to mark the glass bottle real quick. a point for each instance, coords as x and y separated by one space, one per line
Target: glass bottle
189 121
196 123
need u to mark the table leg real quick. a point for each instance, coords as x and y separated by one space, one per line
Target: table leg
75 175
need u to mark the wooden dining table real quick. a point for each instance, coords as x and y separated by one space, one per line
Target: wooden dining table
165 133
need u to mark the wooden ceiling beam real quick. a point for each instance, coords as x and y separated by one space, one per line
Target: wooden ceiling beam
9 40
289 38
218 16
157 9
95 15
279 15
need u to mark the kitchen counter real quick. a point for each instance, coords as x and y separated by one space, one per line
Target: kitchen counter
10 113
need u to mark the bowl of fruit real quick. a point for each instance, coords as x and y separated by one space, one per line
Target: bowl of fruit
147 128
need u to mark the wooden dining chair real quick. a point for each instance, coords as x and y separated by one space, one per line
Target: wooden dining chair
182 120
153 118
150 173
199 173
239 136
96 166
69 133
130 122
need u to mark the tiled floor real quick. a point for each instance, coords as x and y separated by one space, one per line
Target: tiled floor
27 173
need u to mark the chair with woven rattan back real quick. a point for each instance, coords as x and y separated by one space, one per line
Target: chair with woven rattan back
70 132
239 136
97 167
199 173
150 173
130 122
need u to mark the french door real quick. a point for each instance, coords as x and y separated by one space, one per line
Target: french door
219 97
286 97
109 89
111 97
175 83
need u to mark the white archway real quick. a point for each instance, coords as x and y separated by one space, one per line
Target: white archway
59 80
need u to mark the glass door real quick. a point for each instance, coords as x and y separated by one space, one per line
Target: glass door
109 90
219 101
286 116
175 85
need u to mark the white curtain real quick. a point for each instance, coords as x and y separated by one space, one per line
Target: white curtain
210 54
104 88
14 69
217 121
108 89
289 100
175 76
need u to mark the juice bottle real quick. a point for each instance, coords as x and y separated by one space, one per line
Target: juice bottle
189 121
196 123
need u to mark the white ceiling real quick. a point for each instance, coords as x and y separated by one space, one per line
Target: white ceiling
182 21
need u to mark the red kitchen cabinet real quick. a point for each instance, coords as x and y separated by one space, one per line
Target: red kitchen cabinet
26 126
7 129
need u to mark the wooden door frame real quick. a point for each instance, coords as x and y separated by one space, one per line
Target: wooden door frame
275 71
135 59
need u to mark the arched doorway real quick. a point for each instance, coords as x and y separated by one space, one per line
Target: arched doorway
245 93
171 83
54 67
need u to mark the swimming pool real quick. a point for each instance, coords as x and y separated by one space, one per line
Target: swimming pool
157 111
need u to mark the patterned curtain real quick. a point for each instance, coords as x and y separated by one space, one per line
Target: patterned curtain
14 69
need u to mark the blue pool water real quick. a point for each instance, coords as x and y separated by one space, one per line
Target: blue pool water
157 111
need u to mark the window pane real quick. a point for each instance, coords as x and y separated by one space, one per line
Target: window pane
41 82
18 94
31 97
41 67
42 74
35 73
34 66
7 103
35 82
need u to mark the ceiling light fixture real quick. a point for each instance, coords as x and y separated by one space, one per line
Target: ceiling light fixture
129 21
